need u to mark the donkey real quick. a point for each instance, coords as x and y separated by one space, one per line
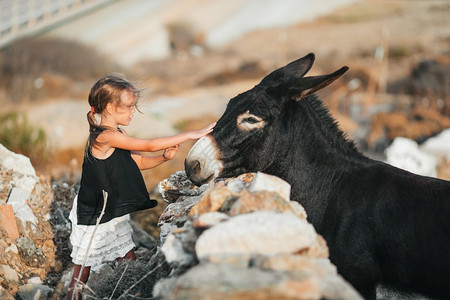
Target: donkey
383 225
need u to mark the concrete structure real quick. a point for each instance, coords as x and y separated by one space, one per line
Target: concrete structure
19 18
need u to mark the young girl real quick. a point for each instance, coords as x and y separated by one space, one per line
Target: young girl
112 164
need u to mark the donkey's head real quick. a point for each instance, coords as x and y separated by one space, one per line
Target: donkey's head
247 136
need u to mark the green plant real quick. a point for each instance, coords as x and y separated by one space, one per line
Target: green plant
180 125
399 51
19 136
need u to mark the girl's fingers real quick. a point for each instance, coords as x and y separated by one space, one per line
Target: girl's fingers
202 132
211 126
171 151
174 147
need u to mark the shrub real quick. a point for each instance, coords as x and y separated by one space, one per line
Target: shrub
19 136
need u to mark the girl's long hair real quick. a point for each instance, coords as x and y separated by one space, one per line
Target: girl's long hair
106 90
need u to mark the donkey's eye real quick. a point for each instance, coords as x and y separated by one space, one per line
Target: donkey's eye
251 120
248 121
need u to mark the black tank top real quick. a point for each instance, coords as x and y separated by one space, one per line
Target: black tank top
120 177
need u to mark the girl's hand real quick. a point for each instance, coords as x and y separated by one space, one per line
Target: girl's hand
170 153
196 134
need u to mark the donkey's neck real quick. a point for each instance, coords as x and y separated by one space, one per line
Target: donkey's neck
313 153
311 144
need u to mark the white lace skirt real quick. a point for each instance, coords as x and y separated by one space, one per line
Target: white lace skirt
111 241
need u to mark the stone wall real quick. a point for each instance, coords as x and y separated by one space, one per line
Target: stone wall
27 250
242 239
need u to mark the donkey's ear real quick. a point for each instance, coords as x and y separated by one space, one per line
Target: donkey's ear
309 85
299 67
295 69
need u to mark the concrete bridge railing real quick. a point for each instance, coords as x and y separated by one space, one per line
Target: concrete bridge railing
19 18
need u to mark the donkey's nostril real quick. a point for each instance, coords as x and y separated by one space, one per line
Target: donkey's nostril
192 167
196 165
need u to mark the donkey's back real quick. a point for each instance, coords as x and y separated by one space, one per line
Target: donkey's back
393 224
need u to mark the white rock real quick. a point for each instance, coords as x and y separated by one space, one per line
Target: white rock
166 229
9 273
25 182
405 154
66 278
34 280
210 219
260 232
12 248
173 250
24 174
236 185
18 199
299 209
34 291
266 182
16 162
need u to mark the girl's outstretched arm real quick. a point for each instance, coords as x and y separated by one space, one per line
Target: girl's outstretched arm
166 142
115 139
148 162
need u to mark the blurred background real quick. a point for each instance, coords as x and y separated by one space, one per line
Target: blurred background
191 56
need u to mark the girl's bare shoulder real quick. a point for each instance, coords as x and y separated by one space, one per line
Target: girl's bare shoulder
110 134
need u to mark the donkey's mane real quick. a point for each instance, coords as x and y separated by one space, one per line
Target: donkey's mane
333 132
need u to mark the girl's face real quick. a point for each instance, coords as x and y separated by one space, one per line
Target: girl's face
123 111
